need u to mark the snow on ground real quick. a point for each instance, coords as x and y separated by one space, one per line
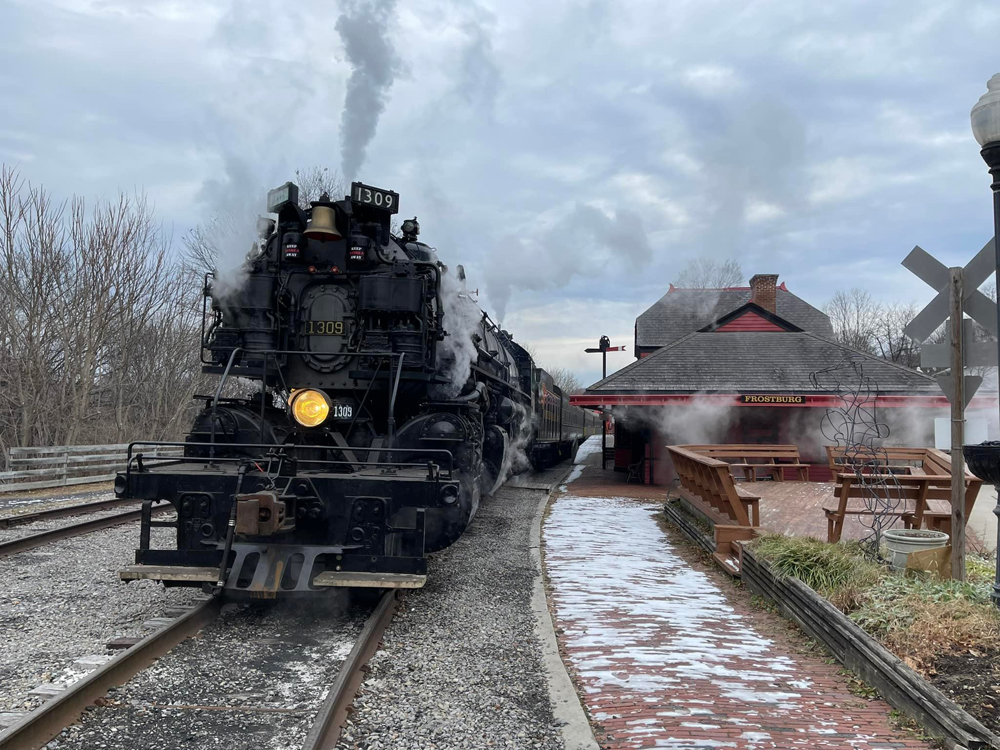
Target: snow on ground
587 448
662 655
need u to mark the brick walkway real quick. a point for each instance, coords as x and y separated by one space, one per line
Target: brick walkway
666 658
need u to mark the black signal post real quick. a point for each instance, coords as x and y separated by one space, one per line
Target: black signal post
604 346
984 459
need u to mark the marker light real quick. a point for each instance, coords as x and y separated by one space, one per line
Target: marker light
310 408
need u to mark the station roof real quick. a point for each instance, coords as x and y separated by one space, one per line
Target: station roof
680 311
783 359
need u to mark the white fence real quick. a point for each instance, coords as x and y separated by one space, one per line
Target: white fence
62 465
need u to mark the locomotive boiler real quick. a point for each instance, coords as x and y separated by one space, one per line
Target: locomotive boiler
384 405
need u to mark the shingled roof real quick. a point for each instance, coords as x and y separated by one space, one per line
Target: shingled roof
758 362
681 311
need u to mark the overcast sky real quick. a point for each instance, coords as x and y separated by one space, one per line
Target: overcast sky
573 155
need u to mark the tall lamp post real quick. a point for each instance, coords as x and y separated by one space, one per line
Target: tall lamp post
604 346
984 459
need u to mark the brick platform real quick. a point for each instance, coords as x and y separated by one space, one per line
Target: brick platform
667 657
794 508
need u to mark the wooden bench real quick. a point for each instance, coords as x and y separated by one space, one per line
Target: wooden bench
708 481
755 459
892 460
915 494
707 485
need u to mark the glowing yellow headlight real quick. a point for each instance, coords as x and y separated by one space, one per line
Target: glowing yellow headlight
310 407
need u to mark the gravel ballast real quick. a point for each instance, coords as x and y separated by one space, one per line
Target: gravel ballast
461 665
64 601
254 678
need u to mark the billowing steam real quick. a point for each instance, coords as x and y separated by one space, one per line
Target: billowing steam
698 422
462 319
222 243
516 459
363 27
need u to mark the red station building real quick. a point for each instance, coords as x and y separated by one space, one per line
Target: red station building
734 366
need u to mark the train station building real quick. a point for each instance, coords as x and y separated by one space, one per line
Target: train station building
752 364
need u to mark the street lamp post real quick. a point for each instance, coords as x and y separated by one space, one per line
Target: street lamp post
984 460
604 346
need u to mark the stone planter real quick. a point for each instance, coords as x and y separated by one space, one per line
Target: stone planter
901 542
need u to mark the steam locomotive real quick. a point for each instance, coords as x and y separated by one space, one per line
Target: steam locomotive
385 404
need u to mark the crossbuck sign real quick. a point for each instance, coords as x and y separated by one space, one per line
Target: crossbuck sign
979 307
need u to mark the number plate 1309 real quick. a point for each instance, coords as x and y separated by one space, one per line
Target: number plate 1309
325 328
375 197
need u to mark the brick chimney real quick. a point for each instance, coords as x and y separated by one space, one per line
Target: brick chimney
762 287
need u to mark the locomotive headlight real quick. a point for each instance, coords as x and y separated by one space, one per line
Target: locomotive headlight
310 408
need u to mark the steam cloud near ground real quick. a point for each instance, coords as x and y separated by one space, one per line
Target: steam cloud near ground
462 320
363 28
704 422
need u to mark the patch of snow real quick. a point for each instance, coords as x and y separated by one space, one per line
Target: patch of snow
640 623
587 448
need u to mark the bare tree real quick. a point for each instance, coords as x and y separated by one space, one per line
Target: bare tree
705 273
888 338
854 315
315 181
567 380
99 330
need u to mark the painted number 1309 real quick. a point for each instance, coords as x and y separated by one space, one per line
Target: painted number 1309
373 196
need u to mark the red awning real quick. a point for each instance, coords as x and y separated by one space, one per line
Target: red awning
823 401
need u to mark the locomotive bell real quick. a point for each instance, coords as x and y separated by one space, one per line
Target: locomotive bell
323 225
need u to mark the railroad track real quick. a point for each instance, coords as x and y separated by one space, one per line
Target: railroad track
79 509
70 530
48 721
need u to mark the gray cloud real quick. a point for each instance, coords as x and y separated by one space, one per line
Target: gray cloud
583 243
821 142
479 76
363 28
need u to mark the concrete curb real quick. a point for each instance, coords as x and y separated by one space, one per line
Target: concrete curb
574 725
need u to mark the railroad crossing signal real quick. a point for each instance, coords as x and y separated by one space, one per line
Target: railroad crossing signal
935 274
979 307
947 383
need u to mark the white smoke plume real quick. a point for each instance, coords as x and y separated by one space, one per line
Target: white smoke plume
363 27
699 422
234 203
516 460
462 320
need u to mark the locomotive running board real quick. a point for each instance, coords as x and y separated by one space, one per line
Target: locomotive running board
168 573
370 580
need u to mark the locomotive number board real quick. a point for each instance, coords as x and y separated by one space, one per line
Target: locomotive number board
325 328
375 197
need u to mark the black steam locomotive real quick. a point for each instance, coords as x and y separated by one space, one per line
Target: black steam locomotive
386 404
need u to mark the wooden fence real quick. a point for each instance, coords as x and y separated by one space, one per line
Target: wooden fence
62 465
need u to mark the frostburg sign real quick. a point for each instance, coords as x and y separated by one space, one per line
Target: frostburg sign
771 399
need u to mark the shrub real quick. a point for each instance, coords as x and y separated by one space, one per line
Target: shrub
839 572
921 619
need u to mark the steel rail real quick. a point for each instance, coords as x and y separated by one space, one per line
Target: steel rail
332 715
74 529
46 722
67 510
